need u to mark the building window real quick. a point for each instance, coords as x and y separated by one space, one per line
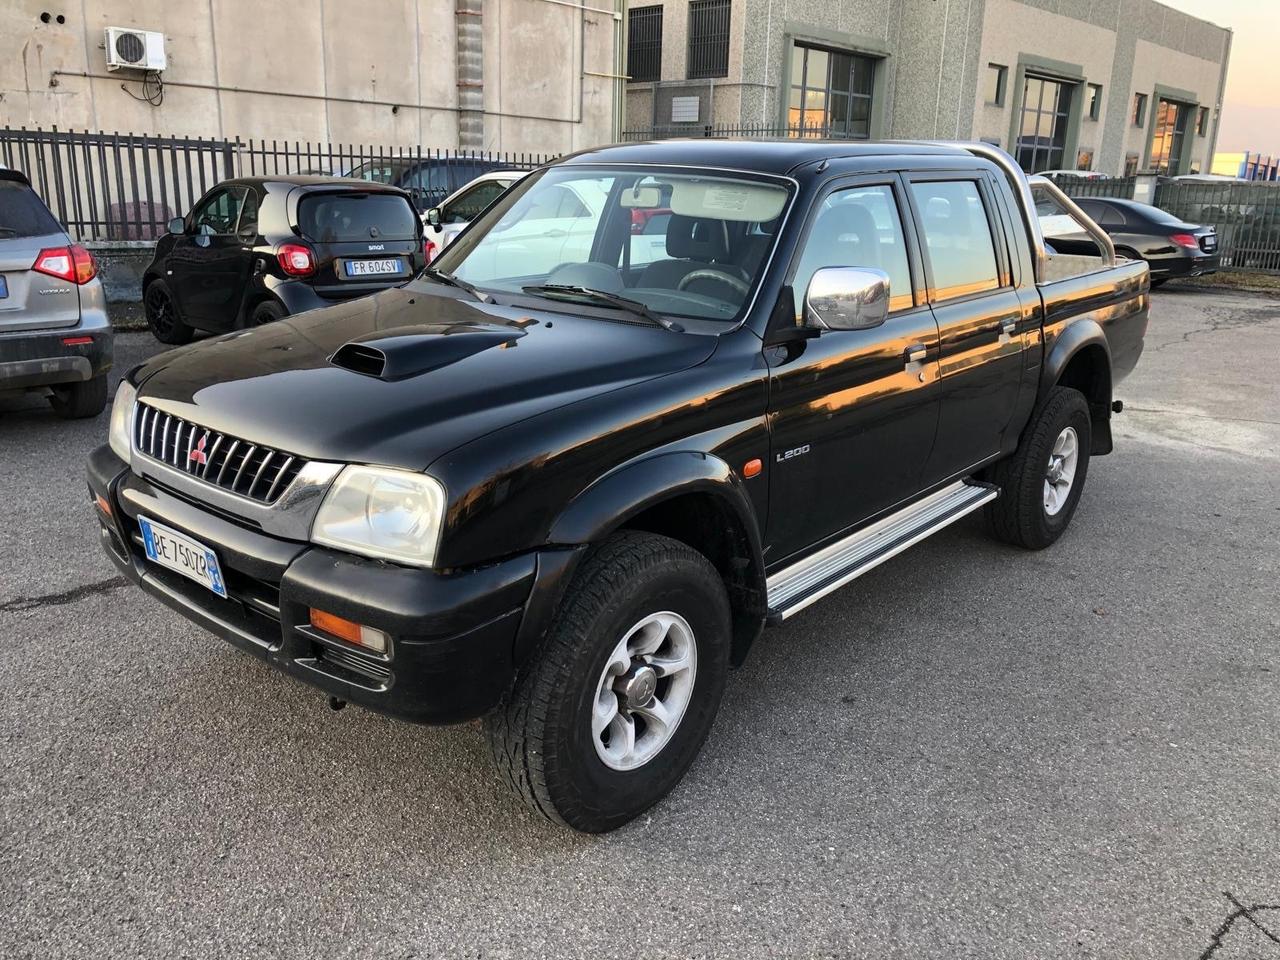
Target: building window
997 79
1095 101
831 93
1202 122
1139 109
1130 164
1172 120
708 39
644 43
1042 138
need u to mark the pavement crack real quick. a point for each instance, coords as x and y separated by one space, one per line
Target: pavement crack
64 597
1249 914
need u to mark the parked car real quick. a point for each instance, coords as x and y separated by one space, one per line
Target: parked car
1073 175
257 249
446 221
428 180
567 497
54 331
1170 247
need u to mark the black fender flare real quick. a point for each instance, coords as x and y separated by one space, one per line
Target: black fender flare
1082 334
626 492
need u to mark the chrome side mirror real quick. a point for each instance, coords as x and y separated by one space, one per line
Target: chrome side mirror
846 298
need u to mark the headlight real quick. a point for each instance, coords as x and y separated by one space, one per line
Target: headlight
385 513
122 420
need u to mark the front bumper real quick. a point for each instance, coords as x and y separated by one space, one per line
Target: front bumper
455 639
41 358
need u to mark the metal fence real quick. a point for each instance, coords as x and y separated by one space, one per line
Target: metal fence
118 186
755 131
1121 187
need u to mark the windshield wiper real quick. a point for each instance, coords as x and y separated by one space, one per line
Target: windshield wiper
605 297
458 282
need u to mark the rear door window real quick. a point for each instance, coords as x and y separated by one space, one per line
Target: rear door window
957 237
346 217
22 214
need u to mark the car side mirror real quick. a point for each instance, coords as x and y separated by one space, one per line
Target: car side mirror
177 225
433 217
846 298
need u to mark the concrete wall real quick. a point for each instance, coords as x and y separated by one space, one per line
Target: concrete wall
319 70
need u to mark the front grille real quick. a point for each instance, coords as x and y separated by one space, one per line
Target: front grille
356 663
256 472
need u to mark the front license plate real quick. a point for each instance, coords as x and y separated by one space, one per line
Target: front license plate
177 551
372 268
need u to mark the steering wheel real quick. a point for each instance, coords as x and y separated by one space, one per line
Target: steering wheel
725 278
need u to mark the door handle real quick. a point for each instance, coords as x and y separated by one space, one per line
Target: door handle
1007 326
915 354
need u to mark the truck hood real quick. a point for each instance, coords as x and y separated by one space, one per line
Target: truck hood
420 374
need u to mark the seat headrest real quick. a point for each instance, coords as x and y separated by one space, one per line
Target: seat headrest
697 238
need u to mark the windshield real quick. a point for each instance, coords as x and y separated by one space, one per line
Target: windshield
683 244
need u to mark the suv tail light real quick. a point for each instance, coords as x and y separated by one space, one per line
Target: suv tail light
296 260
74 263
429 249
1185 240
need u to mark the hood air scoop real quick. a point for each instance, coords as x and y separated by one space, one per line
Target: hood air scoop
408 351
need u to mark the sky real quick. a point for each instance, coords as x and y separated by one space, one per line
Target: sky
1251 108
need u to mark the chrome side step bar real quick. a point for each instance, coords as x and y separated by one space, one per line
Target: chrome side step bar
808 580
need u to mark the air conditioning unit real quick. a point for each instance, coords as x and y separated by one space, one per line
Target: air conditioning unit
129 49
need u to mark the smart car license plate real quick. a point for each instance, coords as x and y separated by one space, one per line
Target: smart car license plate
372 268
4 288
177 551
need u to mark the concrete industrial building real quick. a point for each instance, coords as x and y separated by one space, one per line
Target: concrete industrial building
511 75
1116 86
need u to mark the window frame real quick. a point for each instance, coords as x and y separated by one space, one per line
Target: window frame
995 228
652 48
699 44
1002 84
899 193
1093 91
231 189
1139 112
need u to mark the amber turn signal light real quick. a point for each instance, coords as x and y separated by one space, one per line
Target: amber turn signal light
349 631
752 468
102 504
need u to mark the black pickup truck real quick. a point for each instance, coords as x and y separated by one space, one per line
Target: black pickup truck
564 478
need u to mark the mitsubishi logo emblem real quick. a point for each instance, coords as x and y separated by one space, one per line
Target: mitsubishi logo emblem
198 455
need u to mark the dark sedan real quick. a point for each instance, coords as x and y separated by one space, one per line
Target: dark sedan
257 249
1171 247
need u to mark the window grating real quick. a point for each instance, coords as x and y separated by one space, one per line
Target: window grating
708 39
644 43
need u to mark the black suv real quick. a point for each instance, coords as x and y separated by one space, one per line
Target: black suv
563 481
260 248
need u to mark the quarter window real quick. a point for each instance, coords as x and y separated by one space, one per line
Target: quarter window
957 237
248 223
708 39
859 227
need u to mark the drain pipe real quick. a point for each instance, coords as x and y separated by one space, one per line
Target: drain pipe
469 51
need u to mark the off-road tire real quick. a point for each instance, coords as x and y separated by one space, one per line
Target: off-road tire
1018 515
162 315
540 735
76 401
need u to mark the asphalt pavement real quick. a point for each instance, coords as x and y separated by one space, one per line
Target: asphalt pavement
971 752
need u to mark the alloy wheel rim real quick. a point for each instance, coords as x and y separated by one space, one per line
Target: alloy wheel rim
1060 473
158 310
644 691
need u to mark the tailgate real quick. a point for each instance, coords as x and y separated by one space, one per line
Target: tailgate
362 241
30 300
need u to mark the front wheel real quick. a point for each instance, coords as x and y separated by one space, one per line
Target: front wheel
1040 484
606 718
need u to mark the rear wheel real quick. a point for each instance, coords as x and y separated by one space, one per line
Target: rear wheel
268 311
75 401
162 315
1040 484
604 721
